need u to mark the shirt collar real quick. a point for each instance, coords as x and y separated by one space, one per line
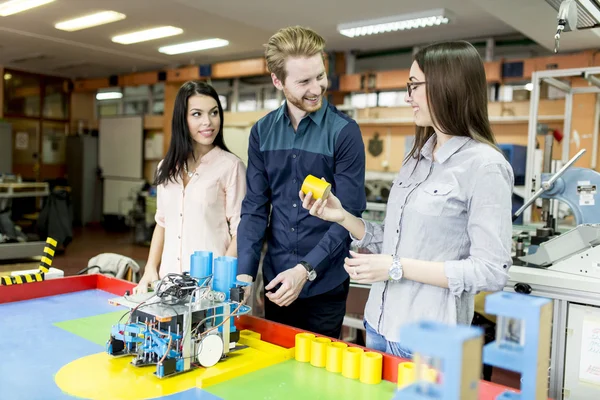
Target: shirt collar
211 155
316 117
448 149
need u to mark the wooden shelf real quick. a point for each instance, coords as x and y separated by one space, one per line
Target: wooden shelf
493 120
153 122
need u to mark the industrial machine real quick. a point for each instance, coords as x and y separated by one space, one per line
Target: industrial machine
186 322
562 262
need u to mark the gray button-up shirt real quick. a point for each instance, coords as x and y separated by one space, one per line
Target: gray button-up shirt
456 210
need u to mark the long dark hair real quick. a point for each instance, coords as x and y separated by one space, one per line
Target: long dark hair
457 93
182 144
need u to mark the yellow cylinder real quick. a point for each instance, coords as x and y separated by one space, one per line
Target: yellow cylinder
303 346
406 374
351 362
371 366
318 351
320 189
335 354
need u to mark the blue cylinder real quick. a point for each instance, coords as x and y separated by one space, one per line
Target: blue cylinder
201 266
225 274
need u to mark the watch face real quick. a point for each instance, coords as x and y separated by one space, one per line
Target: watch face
396 273
312 275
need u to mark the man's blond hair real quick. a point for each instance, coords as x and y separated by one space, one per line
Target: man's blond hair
293 41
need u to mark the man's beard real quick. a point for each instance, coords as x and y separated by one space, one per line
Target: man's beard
301 104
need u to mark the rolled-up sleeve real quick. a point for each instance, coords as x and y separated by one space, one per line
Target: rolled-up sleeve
159 215
489 230
373 238
234 195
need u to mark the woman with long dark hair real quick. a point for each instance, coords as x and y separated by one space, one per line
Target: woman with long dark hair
448 226
200 187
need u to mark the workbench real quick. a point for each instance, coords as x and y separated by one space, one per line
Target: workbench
576 314
9 191
48 326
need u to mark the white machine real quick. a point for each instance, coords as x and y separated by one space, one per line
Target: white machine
565 266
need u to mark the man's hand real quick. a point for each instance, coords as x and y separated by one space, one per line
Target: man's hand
247 289
292 281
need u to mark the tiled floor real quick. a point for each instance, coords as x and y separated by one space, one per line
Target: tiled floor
89 242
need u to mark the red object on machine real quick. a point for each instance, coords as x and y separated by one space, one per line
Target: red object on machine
558 135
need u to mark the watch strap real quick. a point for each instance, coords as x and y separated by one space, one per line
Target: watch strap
310 271
306 265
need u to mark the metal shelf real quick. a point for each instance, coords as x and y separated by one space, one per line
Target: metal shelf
14 190
18 251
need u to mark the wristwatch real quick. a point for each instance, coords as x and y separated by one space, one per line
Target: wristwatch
311 273
395 269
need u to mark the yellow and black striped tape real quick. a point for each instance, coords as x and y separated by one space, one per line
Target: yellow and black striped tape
45 265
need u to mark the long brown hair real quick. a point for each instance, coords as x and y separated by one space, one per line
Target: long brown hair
457 93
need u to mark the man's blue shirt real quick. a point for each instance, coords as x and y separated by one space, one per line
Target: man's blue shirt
327 144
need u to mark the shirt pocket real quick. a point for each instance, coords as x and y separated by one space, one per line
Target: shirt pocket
435 199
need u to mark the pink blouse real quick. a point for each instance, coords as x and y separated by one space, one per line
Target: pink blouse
204 215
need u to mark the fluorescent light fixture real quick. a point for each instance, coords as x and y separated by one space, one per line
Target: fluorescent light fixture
590 7
397 23
109 95
193 46
147 34
88 21
16 6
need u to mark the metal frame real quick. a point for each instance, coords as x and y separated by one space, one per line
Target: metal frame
562 298
550 77
563 289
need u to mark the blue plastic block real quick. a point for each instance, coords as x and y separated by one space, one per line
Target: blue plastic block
514 305
509 396
437 339
521 357
443 342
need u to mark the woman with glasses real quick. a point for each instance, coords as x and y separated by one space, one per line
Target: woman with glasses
448 226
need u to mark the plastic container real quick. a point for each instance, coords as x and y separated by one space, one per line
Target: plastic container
406 374
351 362
335 355
201 265
318 351
371 367
303 346
224 275
320 189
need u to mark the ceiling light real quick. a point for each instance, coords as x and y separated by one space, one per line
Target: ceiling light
16 6
193 46
397 23
88 21
148 34
109 95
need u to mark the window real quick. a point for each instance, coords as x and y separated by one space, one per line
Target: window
22 94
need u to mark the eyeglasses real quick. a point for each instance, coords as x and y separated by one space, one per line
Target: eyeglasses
410 86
